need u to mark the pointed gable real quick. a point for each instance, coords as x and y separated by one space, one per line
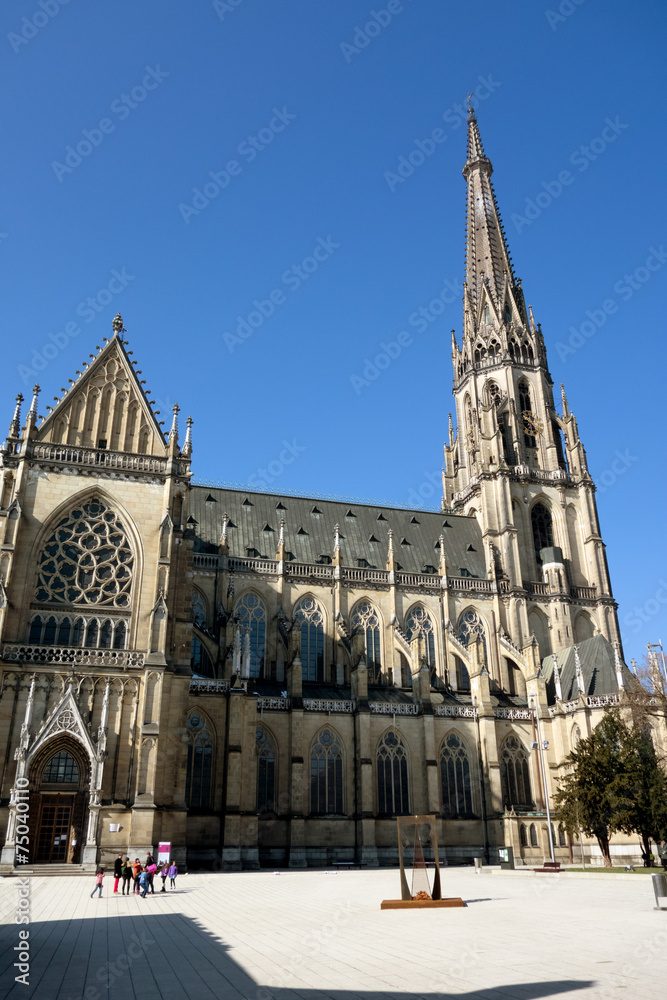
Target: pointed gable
107 407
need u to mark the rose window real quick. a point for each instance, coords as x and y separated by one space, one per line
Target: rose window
87 560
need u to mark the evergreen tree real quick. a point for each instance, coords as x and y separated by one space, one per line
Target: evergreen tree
587 797
642 791
615 783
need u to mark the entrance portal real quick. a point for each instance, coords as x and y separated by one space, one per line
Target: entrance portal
58 800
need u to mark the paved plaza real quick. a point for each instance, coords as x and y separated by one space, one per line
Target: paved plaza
315 935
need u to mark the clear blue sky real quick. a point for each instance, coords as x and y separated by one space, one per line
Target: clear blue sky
313 115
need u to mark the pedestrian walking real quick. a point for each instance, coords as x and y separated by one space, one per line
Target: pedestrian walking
164 872
99 879
117 871
173 872
136 870
151 870
126 874
144 883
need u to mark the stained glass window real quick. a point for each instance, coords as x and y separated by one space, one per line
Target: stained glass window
326 774
308 616
198 782
366 621
251 615
62 769
86 560
455 777
392 776
515 774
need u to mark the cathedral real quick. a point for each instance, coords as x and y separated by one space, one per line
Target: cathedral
266 680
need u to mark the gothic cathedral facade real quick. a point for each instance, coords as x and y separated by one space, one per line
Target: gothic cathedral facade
270 680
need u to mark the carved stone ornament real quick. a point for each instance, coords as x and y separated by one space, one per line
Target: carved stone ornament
66 720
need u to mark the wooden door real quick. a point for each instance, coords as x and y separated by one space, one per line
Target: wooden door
54 829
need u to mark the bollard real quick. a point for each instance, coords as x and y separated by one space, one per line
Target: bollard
659 888
478 866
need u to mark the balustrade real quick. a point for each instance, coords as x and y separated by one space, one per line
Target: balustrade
74 455
79 655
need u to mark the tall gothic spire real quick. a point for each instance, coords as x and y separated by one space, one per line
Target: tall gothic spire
488 262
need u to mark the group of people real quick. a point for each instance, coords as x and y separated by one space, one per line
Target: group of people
137 877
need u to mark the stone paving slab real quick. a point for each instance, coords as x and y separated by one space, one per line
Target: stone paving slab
321 936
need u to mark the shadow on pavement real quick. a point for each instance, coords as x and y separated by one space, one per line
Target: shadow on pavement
151 956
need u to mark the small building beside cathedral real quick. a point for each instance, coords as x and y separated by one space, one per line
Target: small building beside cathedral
258 679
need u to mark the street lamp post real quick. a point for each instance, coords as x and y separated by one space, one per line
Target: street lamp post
543 745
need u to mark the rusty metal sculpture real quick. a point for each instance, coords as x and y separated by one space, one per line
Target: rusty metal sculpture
417 834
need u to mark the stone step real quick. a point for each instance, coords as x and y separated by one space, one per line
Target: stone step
51 870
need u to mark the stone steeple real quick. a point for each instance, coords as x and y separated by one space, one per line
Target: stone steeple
488 262
515 462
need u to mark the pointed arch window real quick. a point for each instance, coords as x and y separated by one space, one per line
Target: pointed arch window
543 532
470 626
266 771
533 835
49 631
91 633
64 632
392 776
493 393
419 622
120 636
198 613
106 634
515 774
200 661
526 411
365 620
251 615
523 839
35 634
326 775
455 778
310 619
61 769
199 776
77 634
